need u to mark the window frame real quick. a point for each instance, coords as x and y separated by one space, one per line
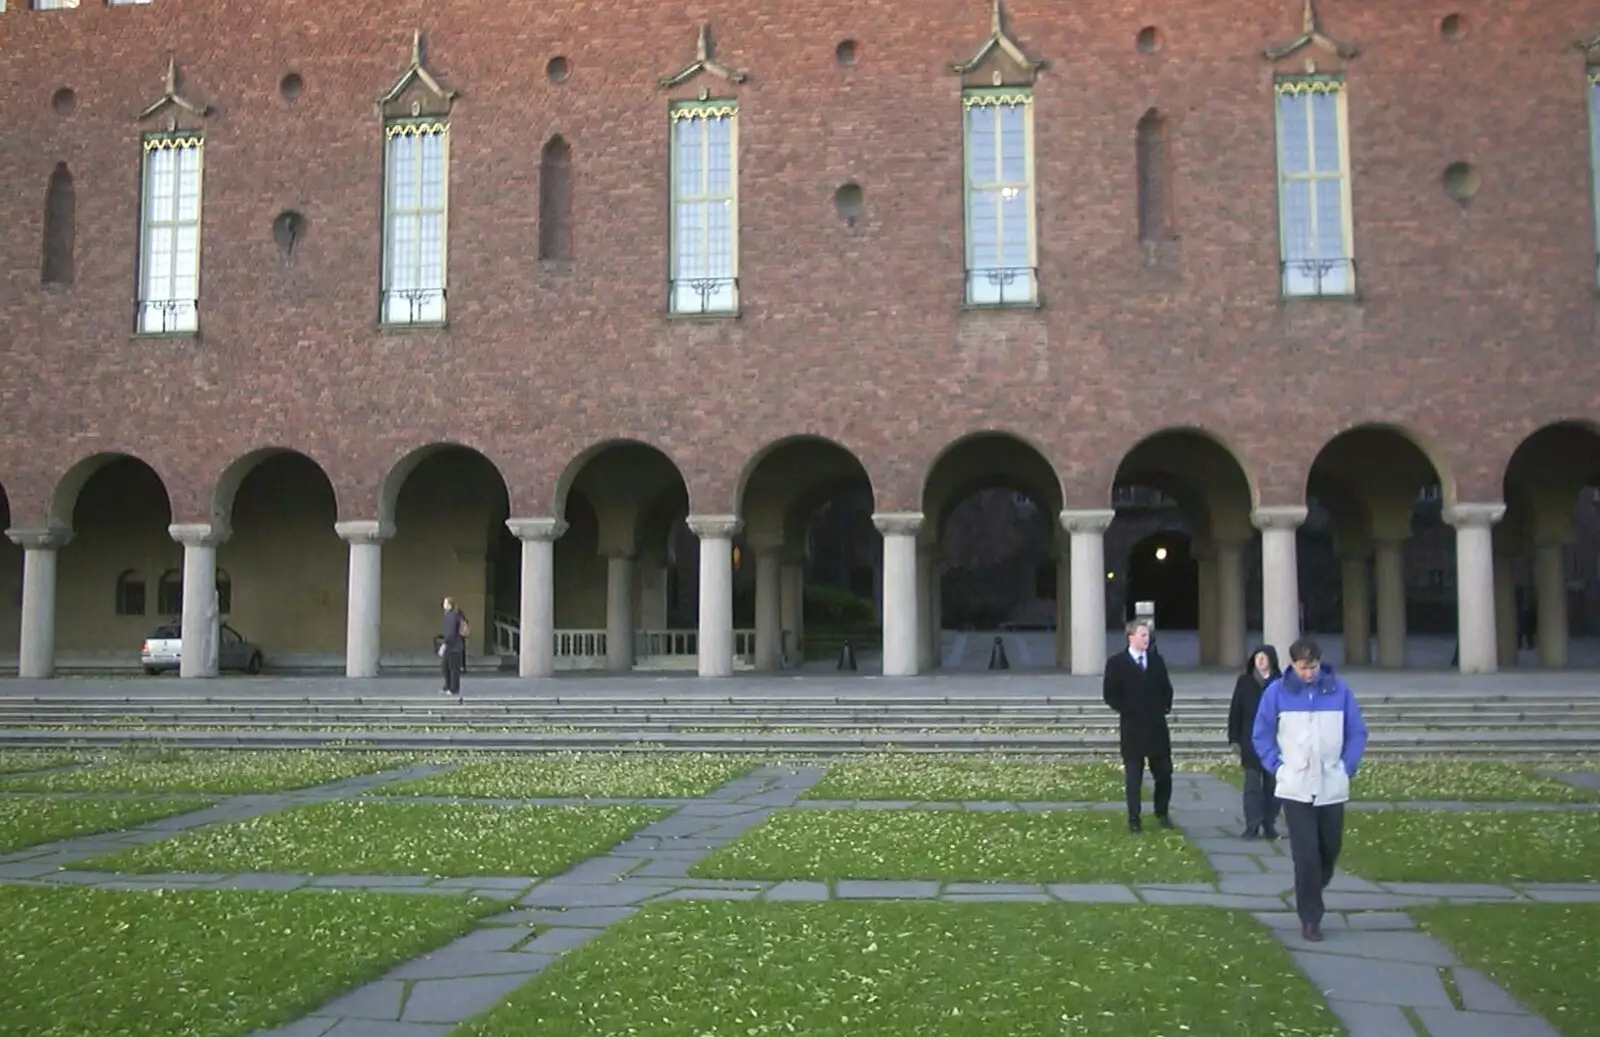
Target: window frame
679 112
1305 85
1592 85
415 126
168 583
174 141
998 96
127 580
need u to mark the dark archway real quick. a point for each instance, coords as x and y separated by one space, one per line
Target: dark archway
1162 570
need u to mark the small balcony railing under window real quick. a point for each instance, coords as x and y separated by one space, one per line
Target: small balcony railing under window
167 316
1318 278
705 295
1002 285
413 305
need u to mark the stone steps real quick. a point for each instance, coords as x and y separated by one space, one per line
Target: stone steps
1101 744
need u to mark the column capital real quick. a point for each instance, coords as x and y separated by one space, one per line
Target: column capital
715 527
1474 516
1282 516
898 523
199 534
1090 520
365 531
41 538
537 528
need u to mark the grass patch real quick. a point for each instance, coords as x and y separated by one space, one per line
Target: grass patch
30 820
918 778
598 775
17 761
1543 954
201 963
369 838
1473 846
922 969
224 771
1468 781
1046 846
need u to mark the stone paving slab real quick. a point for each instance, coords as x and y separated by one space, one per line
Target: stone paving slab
1366 1020
1376 982
1084 893
883 889
1447 1022
796 889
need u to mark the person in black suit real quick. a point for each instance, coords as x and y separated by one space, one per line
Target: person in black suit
1138 688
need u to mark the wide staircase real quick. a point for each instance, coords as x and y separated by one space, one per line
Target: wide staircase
1525 723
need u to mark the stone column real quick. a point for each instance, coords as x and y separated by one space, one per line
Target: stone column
1475 584
364 610
38 634
1280 576
899 531
1230 602
792 610
1357 613
716 533
926 628
1550 588
536 654
769 607
1390 571
1064 605
619 613
201 623
1505 606
1206 626
1087 529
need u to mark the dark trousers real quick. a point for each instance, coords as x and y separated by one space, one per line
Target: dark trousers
1315 836
1133 779
1260 803
452 662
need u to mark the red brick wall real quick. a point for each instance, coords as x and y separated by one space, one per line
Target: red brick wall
857 334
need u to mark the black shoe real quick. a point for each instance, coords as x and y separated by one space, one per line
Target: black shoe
1164 821
1269 832
1134 826
1312 932
1251 832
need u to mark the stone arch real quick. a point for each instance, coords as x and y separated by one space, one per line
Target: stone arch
1377 556
1199 459
1547 548
234 475
785 471
401 470
611 458
282 569
64 498
988 459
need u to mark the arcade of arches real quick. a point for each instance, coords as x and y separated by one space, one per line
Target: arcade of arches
620 574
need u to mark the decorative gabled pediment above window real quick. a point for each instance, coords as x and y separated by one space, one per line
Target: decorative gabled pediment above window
1001 53
1311 36
416 92
703 62
173 99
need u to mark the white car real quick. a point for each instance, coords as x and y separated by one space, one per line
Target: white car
163 650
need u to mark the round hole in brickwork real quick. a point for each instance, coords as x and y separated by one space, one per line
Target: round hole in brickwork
847 200
64 101
287 230
1148 40
1461 181
1452 27
845 52
557 70
291 85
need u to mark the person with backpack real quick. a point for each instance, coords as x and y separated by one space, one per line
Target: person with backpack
453 646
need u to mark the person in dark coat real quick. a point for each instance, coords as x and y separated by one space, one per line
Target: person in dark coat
1260 804
1138 688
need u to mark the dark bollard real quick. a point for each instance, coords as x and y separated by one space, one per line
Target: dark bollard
997 656
847 656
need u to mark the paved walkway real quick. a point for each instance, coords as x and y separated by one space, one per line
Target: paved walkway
1378 972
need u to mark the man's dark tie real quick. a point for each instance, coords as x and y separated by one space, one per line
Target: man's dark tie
1141 662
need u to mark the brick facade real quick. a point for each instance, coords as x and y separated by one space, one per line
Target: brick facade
854 332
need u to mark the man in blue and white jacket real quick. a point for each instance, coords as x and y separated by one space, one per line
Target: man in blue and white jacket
1310 736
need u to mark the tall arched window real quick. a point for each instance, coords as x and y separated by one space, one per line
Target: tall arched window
169 593
555 200
1154 157
130 593
60 218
